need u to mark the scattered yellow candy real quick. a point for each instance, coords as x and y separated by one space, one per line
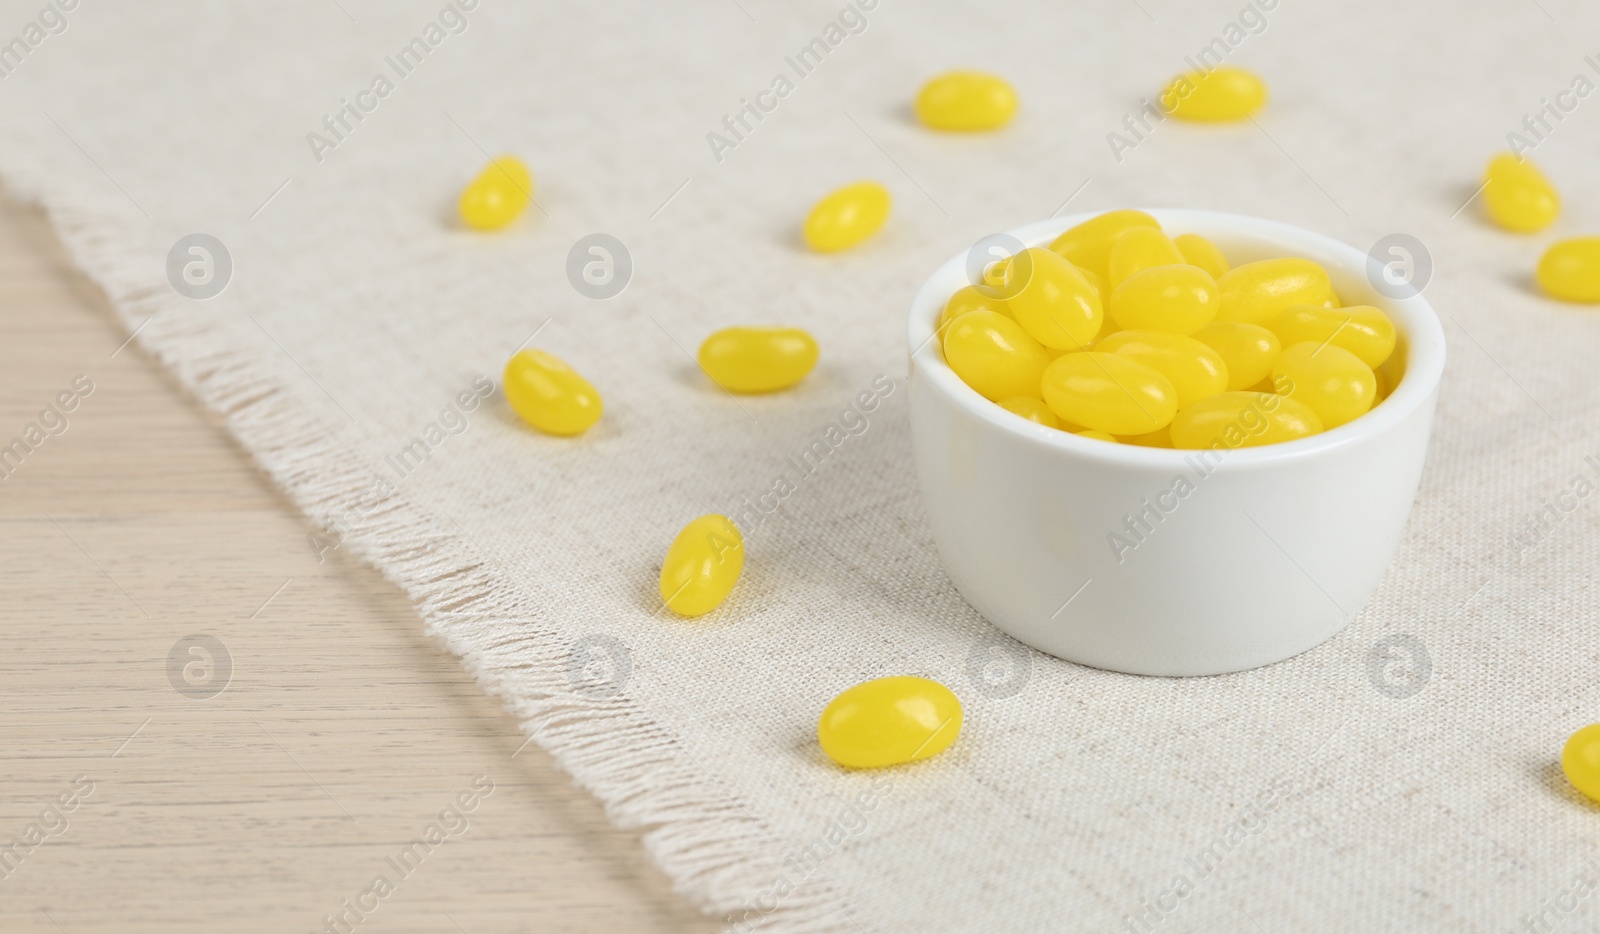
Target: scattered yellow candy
1198 251
498 195
1580 760
1250 350
1052 300
1243 420
1570 270
702 565
971 298
1194 369
1518 196
1178 298
1031 408
1361 329
889 721
549 395
1257 292
966 100
1331 380
847 216
1109 392
1089 243
1224 93
994 355
1139 248
755 359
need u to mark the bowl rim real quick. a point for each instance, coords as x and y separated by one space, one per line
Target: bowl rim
1413 314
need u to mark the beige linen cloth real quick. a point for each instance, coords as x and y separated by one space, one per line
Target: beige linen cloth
1401 777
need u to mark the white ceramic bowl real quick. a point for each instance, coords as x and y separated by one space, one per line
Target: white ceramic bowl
1257 555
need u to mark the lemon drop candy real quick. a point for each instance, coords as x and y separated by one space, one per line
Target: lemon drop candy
758 359
549 395
1052 300
889 721
1179 298
1031 408
1249 350
1097 435
970 298
1580 761
1361 329
1160 438
1331 380
1243 420
1109 392
1258 292
1139 248
1518 196
1223 93
1570 270
994 355
498 195
1195 370
1198 251
966 100
702 565
846 216
1089 244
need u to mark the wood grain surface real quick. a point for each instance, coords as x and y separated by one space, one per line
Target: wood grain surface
340 736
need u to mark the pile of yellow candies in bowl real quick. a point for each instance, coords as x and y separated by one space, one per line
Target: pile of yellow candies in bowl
1121 332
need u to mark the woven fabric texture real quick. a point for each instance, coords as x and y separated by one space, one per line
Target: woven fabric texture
360 321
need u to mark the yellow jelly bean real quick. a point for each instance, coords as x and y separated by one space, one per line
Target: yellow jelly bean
1031 408
1250 350
1139 248
1570 270
970 298
847 216
1181 299
1257 292
498 195
1109 392
1224 93
1089 244
1243 420
1195 370
1518 195
549 395
966 100
1361 329
751 359
1096 280
1160 438
702 565
1198 251
1097 435
994 355
1331 380
1052 300
1580 760
888 721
